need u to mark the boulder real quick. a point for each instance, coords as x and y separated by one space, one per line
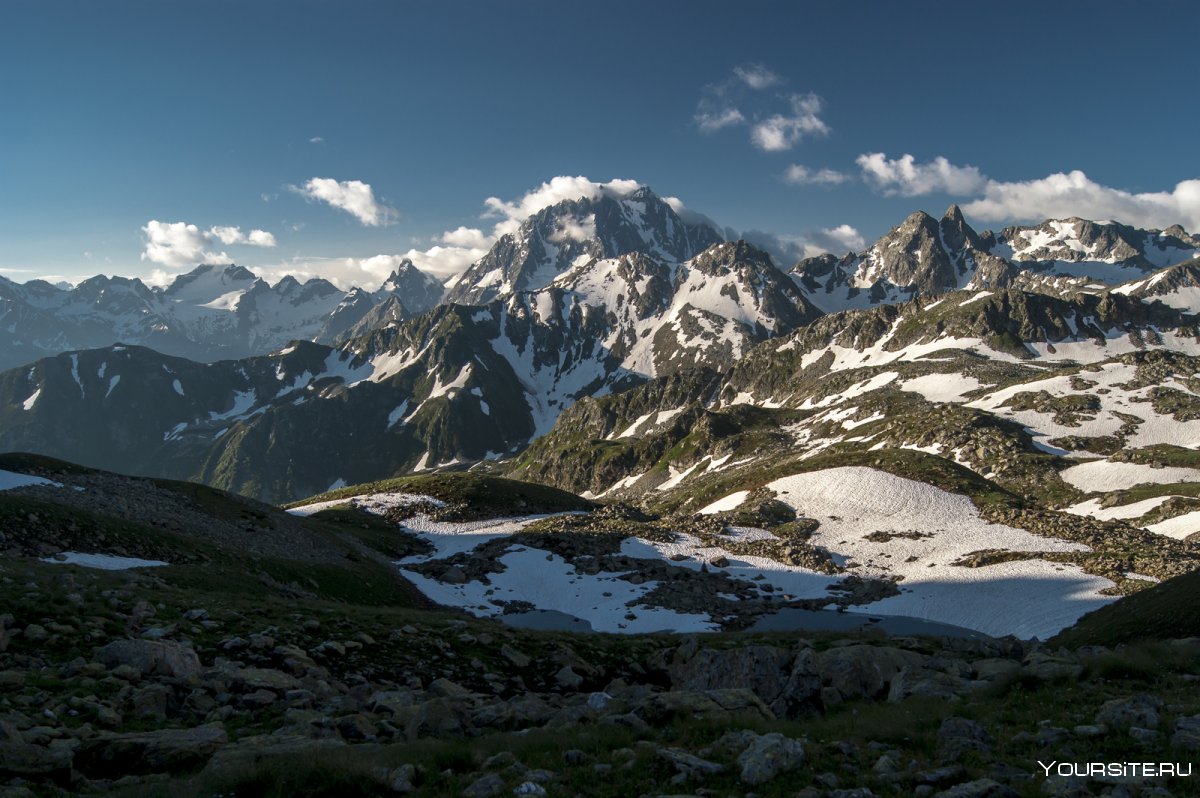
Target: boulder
1122 714
251 679
724 705
689 765
768 757
980 788
25 760
150 657
485 787
1187 733
1045 668
165 750
957 736
762 669
934 684
863 671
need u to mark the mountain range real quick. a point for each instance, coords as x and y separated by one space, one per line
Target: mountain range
211 313
586 301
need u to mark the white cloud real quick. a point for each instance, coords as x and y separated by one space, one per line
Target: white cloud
782 131
550 193
1055 196
838 240
907 178
710 121
470 237
370 272
234 235
178 245
445 262
352 196
1074 194
757 76
787 250
572 229
799 175
260 238
317 140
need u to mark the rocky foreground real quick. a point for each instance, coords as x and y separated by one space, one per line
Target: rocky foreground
270 654
109 684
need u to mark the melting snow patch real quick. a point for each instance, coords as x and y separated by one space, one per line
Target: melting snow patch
1180 527
371 502
725 504
10 480
547 581
942 387
976 298
1104 476
1121 511
934 528
103 562
32 400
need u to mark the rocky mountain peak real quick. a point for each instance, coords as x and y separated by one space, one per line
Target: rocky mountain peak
957 235
418 290
551 241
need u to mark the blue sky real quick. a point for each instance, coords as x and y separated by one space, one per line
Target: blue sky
205 116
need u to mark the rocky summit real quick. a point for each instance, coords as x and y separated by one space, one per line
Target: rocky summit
627 508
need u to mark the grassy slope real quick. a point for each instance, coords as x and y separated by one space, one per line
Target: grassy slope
498 495
1167 610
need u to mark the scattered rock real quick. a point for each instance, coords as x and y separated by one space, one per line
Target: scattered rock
1187 733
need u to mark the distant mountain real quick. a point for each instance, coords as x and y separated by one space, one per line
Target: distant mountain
925 256
457 384
210 313
555 239
588 300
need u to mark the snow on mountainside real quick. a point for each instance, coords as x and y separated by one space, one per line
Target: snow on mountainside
926 256
458 384
209 313
595 295
547 244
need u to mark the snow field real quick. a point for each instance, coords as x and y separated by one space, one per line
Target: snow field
11 479
1103 475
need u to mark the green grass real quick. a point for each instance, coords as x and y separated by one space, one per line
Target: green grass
24 461
1164 454
496 495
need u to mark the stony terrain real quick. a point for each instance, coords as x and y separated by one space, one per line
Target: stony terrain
243 668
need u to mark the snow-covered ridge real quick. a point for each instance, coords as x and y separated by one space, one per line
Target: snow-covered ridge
209 313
